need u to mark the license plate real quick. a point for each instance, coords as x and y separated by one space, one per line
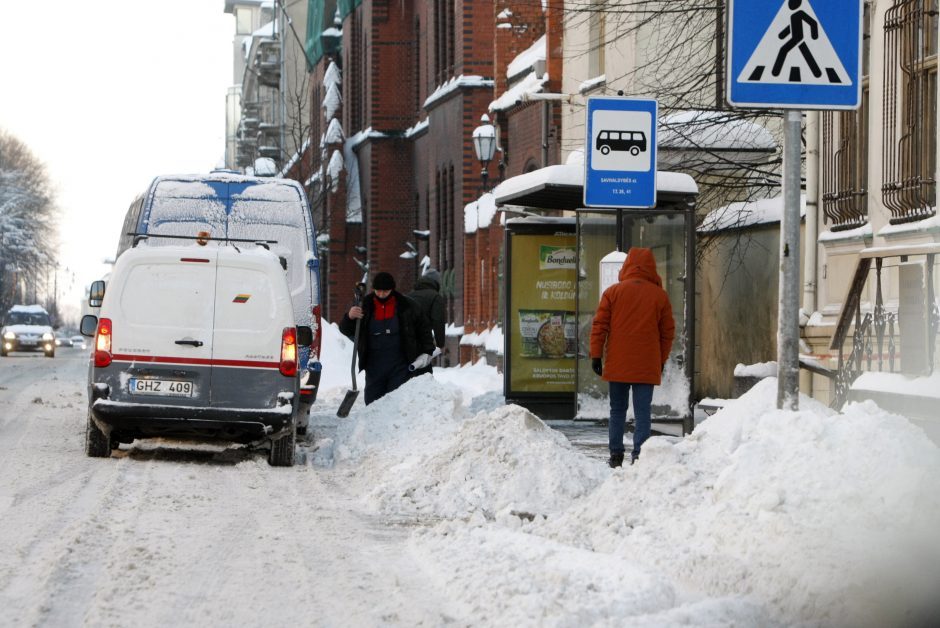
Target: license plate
163 387
28 343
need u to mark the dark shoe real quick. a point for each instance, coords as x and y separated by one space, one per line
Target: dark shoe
633 458
616 460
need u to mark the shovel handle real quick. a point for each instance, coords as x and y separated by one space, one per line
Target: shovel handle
352 371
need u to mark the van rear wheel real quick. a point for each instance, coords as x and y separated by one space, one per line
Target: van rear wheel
97 444
282 450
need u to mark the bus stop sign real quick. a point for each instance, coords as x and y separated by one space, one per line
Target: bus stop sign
620 152
794 54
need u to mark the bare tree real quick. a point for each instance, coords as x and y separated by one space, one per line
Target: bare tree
27 223
733 154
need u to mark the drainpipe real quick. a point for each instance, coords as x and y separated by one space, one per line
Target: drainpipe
811 232
546 113
812 211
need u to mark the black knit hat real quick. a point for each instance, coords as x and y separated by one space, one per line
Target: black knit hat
383 281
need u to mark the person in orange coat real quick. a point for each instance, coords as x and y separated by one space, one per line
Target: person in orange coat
634 323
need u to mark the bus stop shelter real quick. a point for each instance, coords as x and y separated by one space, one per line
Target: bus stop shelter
550 295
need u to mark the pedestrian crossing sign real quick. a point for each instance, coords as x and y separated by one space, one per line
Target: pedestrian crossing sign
794 54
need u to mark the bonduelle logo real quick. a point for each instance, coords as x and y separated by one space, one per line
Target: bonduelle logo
556 257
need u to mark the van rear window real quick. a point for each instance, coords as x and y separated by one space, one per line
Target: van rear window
169 295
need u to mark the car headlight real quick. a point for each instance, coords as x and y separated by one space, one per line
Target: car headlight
47 336
9 335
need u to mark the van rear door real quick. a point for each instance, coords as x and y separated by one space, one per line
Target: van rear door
162 335
252 308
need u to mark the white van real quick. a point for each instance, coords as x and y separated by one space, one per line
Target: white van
232 206
195 342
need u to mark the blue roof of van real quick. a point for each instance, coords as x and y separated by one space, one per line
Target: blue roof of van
225 186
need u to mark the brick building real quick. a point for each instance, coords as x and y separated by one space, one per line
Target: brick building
401 87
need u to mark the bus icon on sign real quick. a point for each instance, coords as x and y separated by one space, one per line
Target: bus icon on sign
633 142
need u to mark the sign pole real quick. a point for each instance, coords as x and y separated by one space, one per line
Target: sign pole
788 314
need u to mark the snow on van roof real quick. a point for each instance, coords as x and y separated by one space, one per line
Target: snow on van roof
30 309
201 186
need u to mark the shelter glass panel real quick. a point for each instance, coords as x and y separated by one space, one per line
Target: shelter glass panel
601 233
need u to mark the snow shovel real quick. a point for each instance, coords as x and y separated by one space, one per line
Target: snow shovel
351 395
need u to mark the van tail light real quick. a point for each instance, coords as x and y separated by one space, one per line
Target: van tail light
288 365
103 343
317 332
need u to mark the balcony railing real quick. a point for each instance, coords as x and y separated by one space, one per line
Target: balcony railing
874 337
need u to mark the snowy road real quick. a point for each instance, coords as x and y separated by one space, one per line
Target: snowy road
176 535
438 505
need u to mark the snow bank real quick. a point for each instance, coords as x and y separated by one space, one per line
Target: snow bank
506 460
472 379
812 513
399 427
551 584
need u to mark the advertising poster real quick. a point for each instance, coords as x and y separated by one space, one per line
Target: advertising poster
543 334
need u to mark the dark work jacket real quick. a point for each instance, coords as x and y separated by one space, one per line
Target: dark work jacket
414 331
426 295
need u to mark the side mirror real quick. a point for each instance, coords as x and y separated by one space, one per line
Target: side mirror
96 294
89 325
304 335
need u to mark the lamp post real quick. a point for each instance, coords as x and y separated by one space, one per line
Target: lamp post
484 143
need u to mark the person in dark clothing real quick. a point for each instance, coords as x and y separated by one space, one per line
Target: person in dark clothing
427 295
393 333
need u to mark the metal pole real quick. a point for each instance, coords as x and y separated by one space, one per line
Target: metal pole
788 315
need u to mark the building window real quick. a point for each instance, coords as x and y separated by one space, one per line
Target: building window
444 43
243 21
909 186
844 154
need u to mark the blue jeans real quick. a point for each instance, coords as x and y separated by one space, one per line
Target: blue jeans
642 400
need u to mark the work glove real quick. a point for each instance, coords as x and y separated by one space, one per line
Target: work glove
420 362
597 365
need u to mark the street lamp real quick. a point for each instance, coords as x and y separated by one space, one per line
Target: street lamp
484 143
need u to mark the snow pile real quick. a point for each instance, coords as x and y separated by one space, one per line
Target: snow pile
472 379
812 514
401 426
759 369
546 583
500 462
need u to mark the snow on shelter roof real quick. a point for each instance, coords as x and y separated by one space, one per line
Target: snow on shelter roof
561 187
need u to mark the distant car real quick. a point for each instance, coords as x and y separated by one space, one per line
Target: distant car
27 328
62 341
78 341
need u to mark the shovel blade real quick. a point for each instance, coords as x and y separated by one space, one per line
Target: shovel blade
347 404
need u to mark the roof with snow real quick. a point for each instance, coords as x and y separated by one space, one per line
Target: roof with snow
562 187
454 84
712 130
746 214
479 213
531 84
527 59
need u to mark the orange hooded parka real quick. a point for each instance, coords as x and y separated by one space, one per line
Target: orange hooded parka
634 322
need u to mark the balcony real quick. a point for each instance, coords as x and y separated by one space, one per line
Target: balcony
268 63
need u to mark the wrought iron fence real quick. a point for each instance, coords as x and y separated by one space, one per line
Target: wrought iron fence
867 336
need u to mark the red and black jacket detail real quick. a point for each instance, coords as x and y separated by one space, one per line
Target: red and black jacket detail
414 328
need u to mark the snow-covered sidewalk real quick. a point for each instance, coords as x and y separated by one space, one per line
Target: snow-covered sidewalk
760 517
